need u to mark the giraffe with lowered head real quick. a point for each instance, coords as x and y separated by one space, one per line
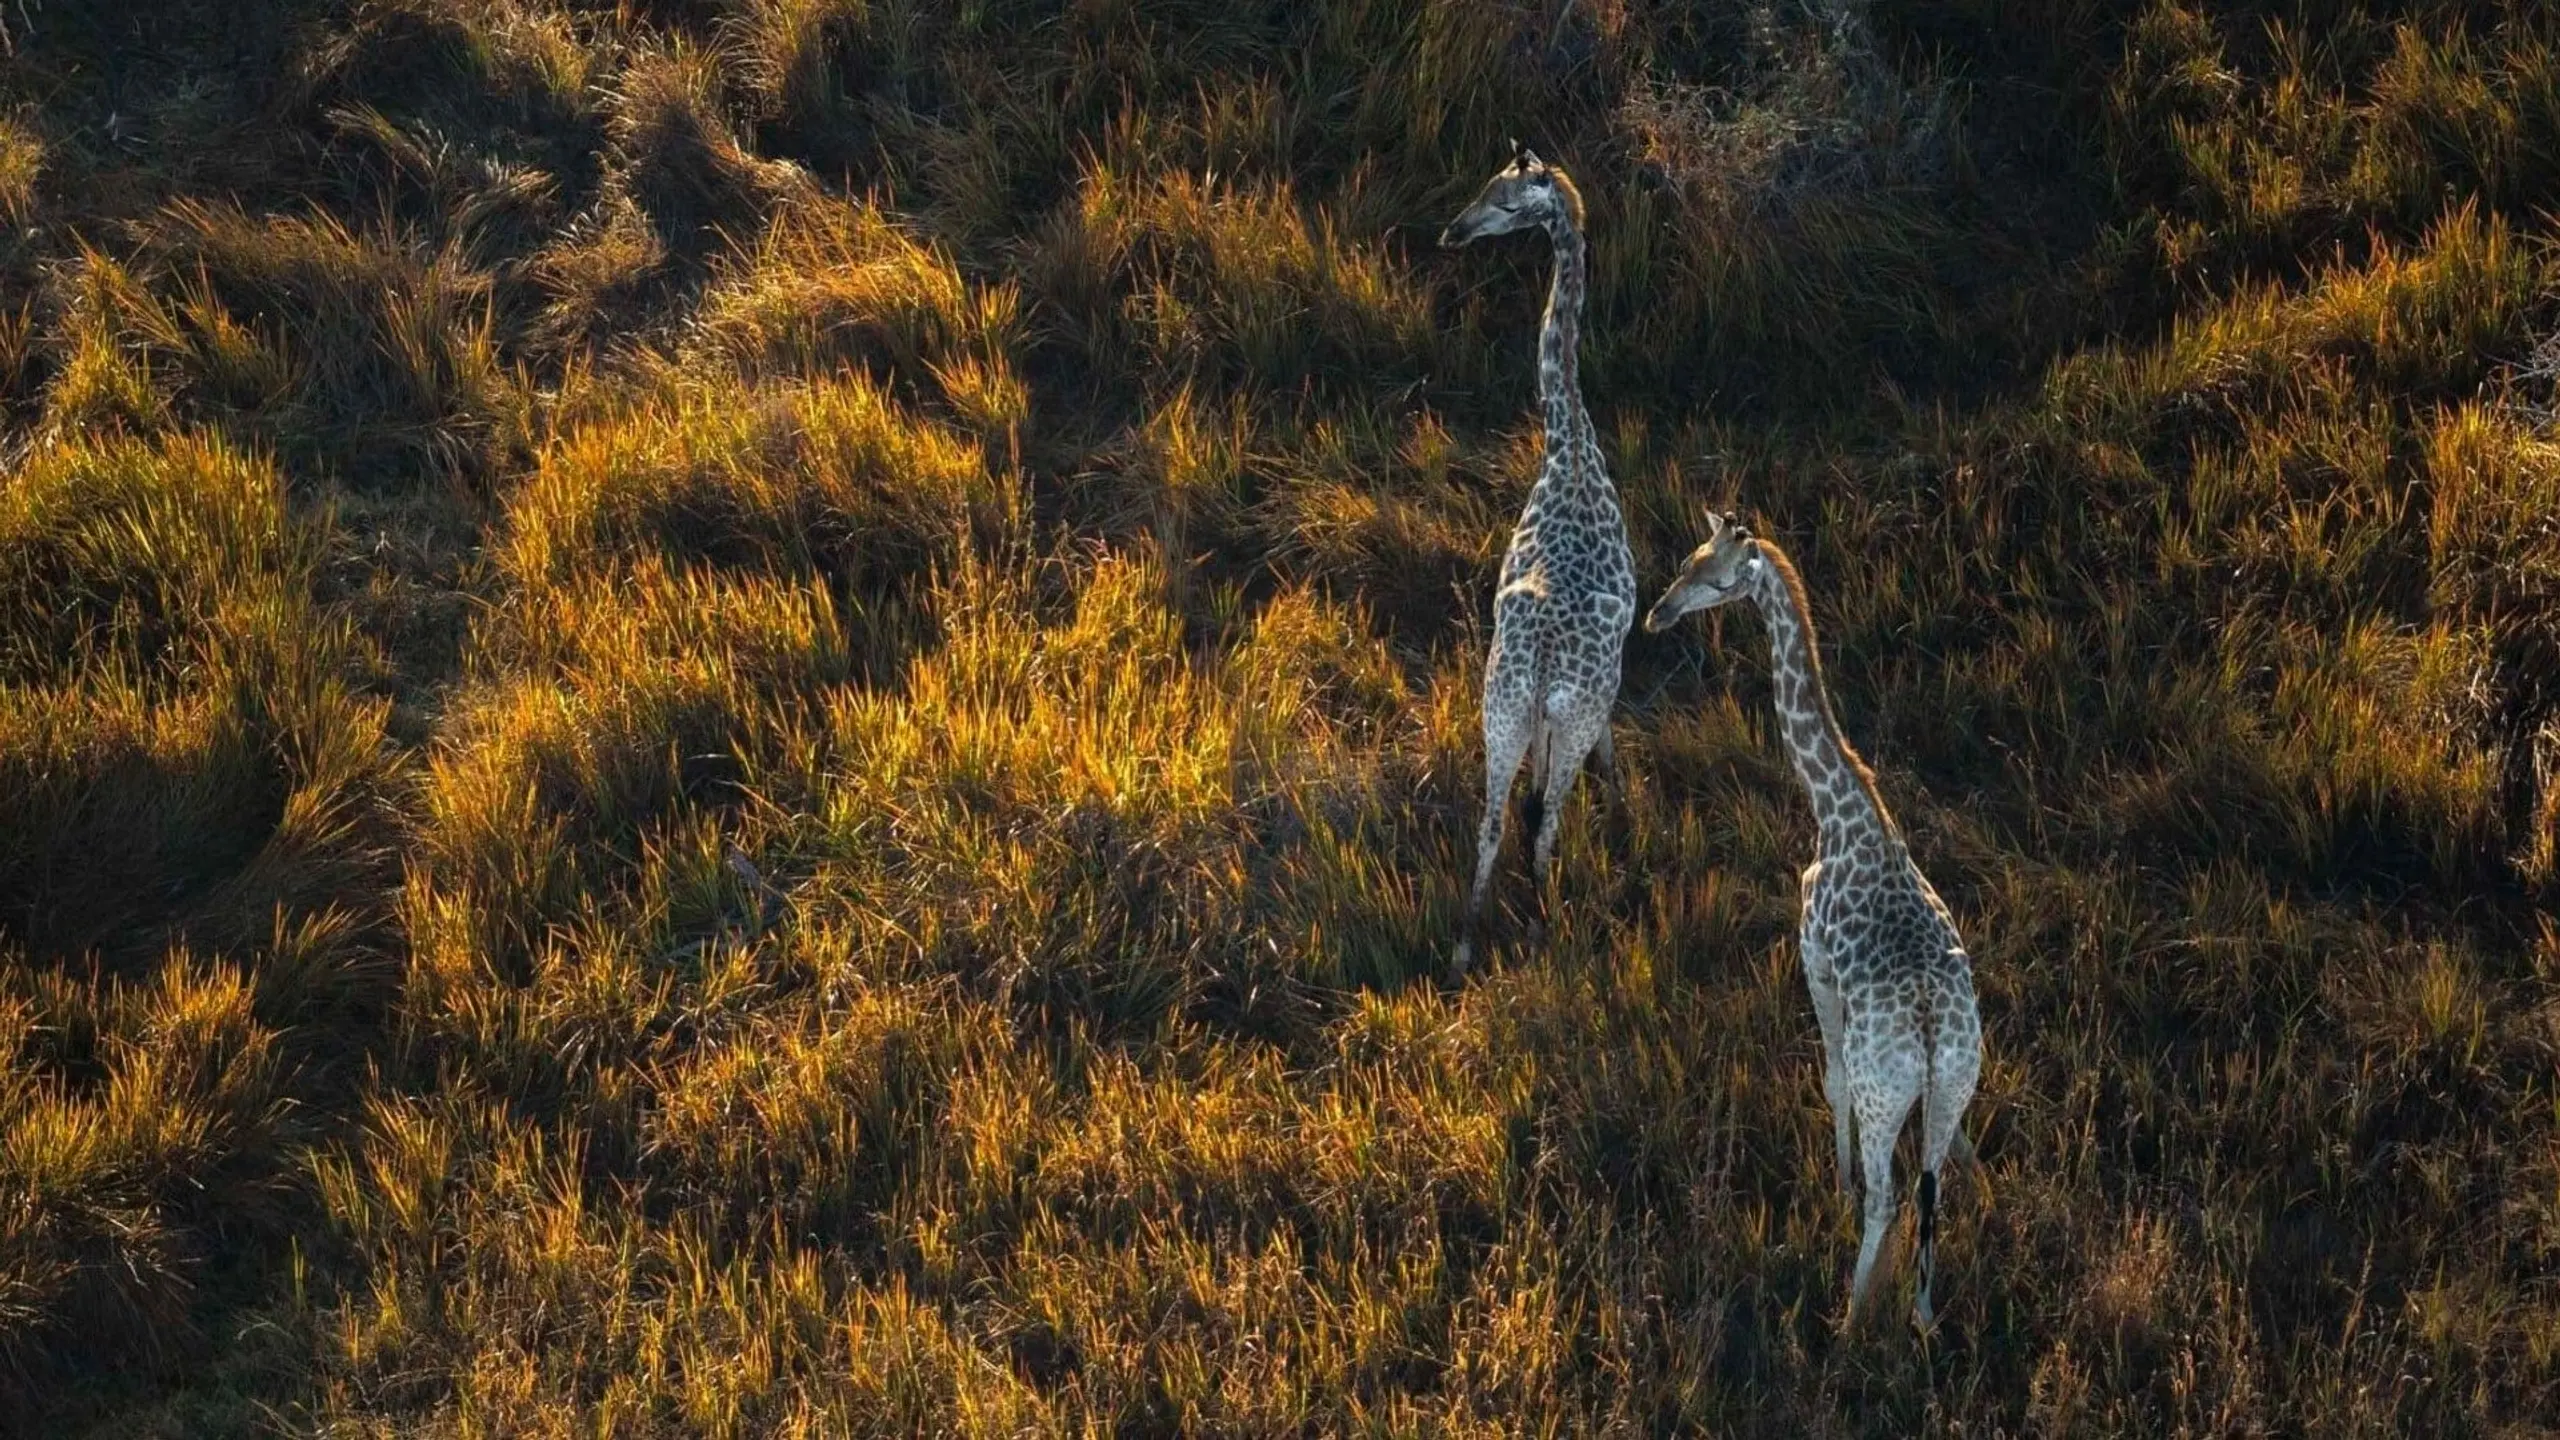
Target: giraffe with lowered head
1891 985
1567 594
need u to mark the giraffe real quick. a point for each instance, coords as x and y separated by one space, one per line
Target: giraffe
1567 594
1891 985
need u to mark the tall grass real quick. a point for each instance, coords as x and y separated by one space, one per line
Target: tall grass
756 716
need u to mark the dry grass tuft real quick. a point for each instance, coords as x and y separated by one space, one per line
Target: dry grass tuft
21 162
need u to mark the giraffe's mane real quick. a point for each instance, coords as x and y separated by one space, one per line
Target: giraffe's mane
1569 193
1785 568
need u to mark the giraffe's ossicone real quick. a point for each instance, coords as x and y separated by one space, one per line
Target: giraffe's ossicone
1891 984
1567 594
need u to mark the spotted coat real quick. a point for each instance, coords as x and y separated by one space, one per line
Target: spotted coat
1892 987
1567 593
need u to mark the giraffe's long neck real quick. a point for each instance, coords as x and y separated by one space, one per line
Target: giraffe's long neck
1560 338
1845 803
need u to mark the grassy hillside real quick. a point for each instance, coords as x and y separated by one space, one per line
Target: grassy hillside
755 717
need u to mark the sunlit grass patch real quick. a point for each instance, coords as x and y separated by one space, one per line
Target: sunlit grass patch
21 162
2288 137
2424 321
671 123
389 347
368 357
1095 770
189 768
676 190
540 798
1226 286
833 286
521 56
2391 723
2490 478
1392 512
128 552
179 704
766 636
112 1177
829 476
584 822
808 65
806 1127
683 1329
97 372
1185 477
1134 794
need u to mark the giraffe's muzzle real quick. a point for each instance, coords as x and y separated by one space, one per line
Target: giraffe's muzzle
1679 601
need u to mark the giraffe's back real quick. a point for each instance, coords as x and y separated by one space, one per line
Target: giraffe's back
1570 551
1893 949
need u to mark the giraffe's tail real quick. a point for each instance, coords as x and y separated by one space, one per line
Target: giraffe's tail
1926 1255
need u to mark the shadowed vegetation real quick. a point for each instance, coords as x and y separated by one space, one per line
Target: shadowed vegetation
758 716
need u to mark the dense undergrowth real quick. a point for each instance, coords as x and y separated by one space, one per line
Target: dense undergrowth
757 716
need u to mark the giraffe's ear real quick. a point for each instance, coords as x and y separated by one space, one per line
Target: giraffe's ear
1526 159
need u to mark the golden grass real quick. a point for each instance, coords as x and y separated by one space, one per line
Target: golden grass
21 162
753 717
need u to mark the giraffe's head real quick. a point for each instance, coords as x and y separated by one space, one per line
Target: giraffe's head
1525 194
1714 574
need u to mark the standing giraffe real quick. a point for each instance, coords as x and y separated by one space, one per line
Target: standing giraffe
1890 981
1568 590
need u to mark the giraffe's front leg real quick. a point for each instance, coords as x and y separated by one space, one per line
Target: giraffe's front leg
1830 1013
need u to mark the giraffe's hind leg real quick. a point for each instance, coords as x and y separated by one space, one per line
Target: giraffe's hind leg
1575 729
1828 1013
1884 1093
1604 758
1957 1065
1509 723
1613 788
1533 818
1533 796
